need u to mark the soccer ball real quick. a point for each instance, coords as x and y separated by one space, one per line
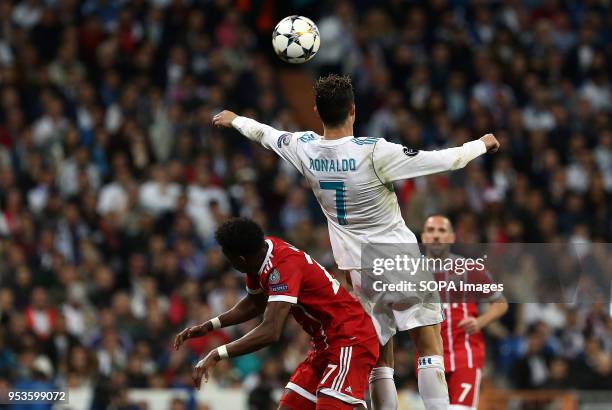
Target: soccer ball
296 39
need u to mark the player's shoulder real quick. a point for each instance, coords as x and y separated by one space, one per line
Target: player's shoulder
305 137
293 138
282 252
365 141
278 245
384 146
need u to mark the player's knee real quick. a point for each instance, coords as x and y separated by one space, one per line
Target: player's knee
428 340
330 403
385 358
432 349
379 373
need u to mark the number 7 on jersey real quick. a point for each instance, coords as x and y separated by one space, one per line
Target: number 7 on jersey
338 187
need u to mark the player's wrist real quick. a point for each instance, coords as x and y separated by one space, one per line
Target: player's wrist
491 143
215 323
481 146
204 328
220 353
235 122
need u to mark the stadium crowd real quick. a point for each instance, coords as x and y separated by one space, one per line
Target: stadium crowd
112 180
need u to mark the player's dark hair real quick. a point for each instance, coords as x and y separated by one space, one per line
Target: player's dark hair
440 215
334 97
240 236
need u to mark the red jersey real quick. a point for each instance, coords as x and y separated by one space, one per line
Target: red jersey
322 307
461 350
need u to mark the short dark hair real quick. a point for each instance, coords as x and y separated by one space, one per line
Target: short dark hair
334 97
440 215
240 236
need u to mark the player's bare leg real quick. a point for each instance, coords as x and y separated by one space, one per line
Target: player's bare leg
383 393
432 382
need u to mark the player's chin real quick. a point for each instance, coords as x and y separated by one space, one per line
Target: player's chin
436 249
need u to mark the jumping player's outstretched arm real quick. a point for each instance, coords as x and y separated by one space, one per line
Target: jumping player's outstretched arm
394 162
249 307
281 142
268 332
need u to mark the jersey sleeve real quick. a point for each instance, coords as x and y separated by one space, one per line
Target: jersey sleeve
394 162
282 142
252 285
283 283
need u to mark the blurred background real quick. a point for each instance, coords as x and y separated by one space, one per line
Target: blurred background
112 180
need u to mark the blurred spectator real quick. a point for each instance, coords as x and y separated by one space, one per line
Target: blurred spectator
41 318
531 370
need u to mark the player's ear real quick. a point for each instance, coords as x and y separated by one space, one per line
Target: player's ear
352 114
314 108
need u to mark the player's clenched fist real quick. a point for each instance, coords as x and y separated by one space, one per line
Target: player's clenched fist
224 119
191 332
491 142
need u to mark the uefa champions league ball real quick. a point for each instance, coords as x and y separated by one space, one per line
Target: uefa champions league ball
296 39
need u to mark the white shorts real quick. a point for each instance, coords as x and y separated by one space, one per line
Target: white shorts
393 312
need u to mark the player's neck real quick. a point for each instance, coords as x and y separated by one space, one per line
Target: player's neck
261 257
337 132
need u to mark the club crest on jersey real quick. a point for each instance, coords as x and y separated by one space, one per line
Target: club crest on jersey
411 152
284 139
274 277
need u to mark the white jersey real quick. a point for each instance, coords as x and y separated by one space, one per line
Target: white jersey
352 178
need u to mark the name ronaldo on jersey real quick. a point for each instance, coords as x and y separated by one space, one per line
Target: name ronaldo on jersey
333 165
